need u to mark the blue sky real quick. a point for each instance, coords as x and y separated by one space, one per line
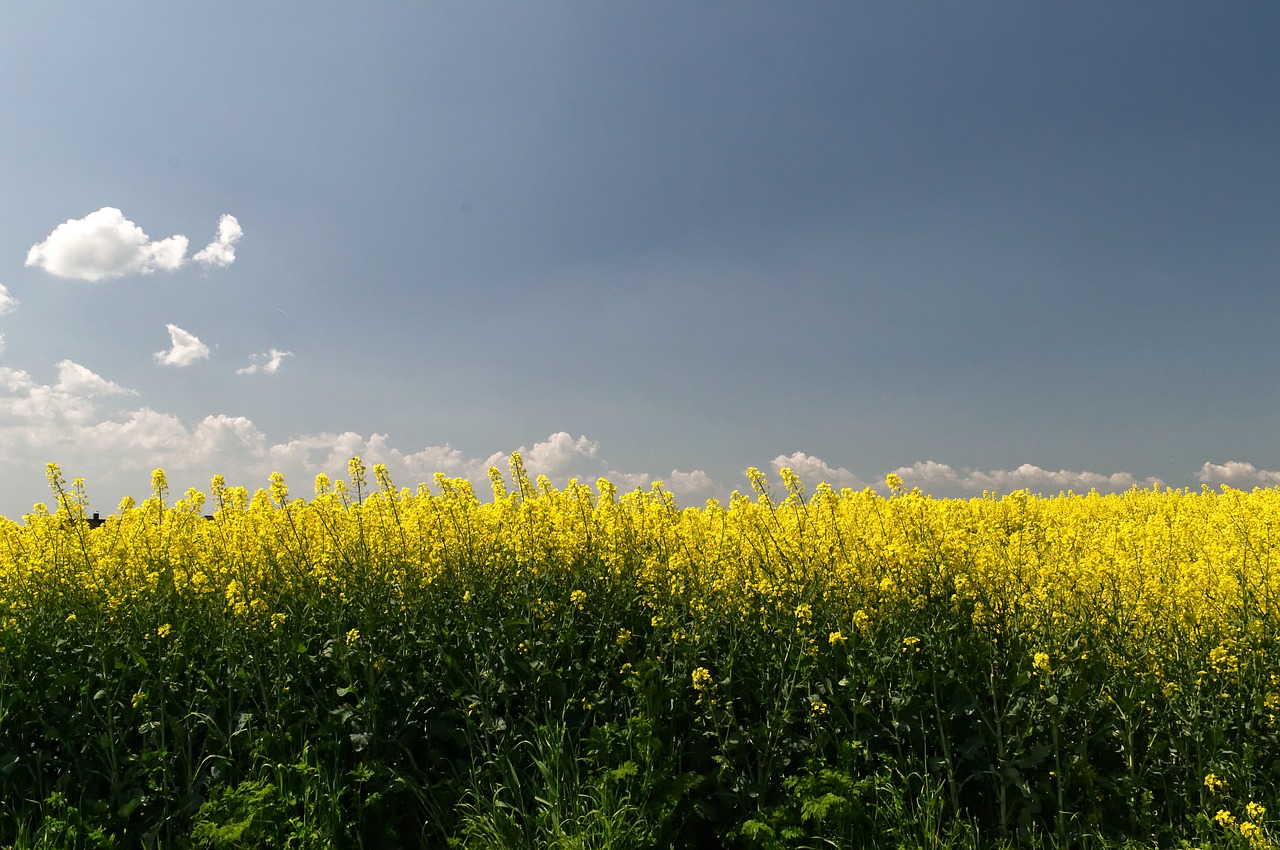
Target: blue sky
985 245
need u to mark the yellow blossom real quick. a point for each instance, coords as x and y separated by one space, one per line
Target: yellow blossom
701 678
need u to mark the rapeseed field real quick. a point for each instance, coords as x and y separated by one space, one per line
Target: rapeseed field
381 667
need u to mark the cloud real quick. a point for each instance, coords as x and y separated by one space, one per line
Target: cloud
560 455
78 380
943 480
47 410
1239 475
84 422
222 250
7 302
814 471
268 363
115 450
186 349
687 486
105 244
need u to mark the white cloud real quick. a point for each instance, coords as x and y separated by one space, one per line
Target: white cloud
105 244
943 480
561 455
50 409
15 380
268 363
1239 475
690 487
185 348
70 421
115 450
222 250
814 471
143 433
7 302
78 380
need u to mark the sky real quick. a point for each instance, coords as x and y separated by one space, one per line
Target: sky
984 245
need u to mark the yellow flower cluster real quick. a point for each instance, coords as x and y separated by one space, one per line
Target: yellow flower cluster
1251 826
1195 570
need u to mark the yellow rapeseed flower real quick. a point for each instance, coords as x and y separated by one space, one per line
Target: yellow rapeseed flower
701 679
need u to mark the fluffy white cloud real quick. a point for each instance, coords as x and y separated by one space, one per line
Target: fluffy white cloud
222 250
14 380
561 455
105 244
689 487
185 348
7 302
814 471
78 380
1239 475
30 411
268 363
142 433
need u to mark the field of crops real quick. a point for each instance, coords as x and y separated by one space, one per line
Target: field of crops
379 667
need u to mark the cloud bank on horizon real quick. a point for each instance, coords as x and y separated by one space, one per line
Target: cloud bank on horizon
79 421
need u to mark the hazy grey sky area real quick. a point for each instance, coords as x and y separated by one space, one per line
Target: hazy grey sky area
986 245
